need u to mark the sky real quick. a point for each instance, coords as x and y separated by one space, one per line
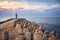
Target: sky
29 8
29 4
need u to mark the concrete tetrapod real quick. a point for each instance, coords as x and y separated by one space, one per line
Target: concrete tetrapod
28 35
20 37
52 36
38 35
45 35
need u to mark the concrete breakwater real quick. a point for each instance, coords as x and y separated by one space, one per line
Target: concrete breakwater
22 29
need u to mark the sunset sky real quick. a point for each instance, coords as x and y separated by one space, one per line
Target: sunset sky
29 8
29 4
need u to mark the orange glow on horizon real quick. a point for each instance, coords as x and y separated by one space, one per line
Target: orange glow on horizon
26 6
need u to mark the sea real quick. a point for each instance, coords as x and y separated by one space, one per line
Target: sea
49 23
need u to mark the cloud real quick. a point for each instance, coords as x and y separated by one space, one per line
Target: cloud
46 1
27 6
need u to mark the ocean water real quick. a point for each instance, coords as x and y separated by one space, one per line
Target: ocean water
49 23
49 20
